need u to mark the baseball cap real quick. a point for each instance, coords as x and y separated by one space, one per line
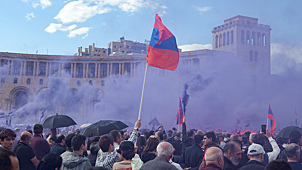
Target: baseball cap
255 149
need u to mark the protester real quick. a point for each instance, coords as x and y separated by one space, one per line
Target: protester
177 144
7 139
76 160
161 162
213 159
50 162
193 155
187 137
255 154
68 144
141 143
39 145
209 139
278 165
126 153
232 155
294 137
149 150
292 152
94 148
59 147
8 160
25 154
160 136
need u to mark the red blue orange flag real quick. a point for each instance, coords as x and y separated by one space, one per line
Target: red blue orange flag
162 50
272 120
180 115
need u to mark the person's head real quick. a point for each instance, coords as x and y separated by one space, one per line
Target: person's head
106 143
7 138
251 138
199 132
295 137
159 135
141 141
117 137
170 133
53 132
51 140
61 139
126 150
26 137
190 133
209 138
165 150
198 139
214 156
151 144
78 143
68 139
292 152
176 136
280 141
8 160
237 138
255 152
50 162
165 137
232 151
38 129
259 139
278 165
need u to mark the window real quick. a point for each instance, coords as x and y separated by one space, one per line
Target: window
228 38
103 69
67 67
242 36
127 68
78 83
114 46
256 56
41 82
253 38
127 46
90 82
258 39
29 68
251 55
17 67
263 40
42 69
232 37
91 70
115 68
79 69
15 80
247 37
103 83
216 41
220 40
224 39
54 68
28 81
2 79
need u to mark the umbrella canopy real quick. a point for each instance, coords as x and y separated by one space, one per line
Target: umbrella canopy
58 121
285 132
102 127
84 125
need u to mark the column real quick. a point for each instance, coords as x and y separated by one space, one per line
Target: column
87 65
21 68
34 71
24 69
46 71
71 69
122 68
84 70
11 67
95 70
110 69
38 69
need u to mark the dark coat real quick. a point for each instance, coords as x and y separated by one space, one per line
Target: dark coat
228 165
40 146
57 149
254 165
159 163
148 157
211 167
177 146
192 157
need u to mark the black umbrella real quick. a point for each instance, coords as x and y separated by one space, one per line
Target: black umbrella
285 132
102 127
58 121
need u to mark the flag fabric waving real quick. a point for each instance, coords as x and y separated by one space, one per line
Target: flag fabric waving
162 50
272 120
180 115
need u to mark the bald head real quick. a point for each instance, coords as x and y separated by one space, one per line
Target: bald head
25 137
213 153
165 150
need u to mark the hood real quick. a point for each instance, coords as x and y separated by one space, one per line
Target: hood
73 159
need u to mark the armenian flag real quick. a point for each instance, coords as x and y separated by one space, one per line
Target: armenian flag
272 120
180 115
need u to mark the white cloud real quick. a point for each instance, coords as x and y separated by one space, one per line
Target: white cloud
34 4
30 16
202 9
24 0
104 23
52 28
192 47
157 6
79 31
45 3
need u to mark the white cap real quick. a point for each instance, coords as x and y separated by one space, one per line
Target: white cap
255 149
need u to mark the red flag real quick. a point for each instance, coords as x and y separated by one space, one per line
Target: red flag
180 115
272 121
162 50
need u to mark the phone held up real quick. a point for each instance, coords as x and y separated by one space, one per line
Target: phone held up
263 128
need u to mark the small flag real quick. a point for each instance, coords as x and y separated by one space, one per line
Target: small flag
180 115
154 122
162 50
272 120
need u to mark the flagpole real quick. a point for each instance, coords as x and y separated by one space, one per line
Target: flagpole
143 90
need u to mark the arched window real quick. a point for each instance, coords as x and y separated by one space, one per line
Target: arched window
41 82
228 38
28 81
232 37
224 39
242 36
79 83
247 37
258 39
15 80
220 40
251 55
103 83
90 82
263 40
2 79
216 41
253 38
256 56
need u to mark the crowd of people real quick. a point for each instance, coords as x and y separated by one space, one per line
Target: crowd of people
148 150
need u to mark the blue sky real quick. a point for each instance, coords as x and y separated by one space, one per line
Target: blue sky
60 27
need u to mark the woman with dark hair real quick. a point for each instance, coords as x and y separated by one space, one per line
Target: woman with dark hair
141 143
149 150
126 153
50 162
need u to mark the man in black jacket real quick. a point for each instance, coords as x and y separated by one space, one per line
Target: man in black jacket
255 154
193 155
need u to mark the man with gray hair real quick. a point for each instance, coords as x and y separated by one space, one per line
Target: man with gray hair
164 153
213 159
255 154
292 152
